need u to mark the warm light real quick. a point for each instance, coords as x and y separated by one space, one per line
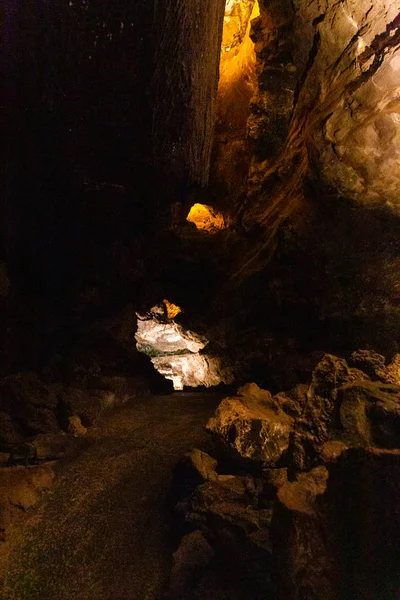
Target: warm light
206 218
237 65
172 309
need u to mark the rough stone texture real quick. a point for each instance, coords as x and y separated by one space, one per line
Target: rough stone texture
294 400
336 530
252 425
176 353
189 38
312 427
271 107
370 362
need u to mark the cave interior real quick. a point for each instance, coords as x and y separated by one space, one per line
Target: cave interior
201 212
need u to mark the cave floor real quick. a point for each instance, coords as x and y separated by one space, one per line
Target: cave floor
102 532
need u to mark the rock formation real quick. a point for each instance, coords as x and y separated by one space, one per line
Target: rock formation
302 513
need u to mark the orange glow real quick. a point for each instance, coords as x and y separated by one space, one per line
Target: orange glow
172 309
206 218
237 82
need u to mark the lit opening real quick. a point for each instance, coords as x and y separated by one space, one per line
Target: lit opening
206 218
175 352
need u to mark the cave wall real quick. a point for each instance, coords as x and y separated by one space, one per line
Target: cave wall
94 92
318 260
189 36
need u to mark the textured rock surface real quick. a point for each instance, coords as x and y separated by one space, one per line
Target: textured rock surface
252 425
333 526
176 352
313 425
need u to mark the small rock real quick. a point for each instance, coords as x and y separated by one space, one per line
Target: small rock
75 427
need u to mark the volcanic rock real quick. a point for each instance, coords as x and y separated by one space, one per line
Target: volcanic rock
252 426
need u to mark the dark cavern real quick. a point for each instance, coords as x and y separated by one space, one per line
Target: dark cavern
200 300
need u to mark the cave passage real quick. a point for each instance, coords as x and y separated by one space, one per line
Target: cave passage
176 353
242 159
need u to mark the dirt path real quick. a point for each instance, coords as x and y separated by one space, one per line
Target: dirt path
102 533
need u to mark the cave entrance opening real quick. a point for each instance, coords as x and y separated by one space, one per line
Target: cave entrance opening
177 353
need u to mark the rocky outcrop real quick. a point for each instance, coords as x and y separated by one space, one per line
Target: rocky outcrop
226 510
252 425
321 509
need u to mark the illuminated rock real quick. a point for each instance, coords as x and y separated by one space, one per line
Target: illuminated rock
189 370
172 309
206 218
175 352
252 425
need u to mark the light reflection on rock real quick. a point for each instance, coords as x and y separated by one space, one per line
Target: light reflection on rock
175 352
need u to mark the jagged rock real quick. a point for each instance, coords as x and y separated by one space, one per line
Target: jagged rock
237 530
311 429
392 371
192 556
24 485
294 400
370 362
252 426
332 450
370 414
227 513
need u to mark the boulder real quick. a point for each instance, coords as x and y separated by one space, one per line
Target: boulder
252 426
238 531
